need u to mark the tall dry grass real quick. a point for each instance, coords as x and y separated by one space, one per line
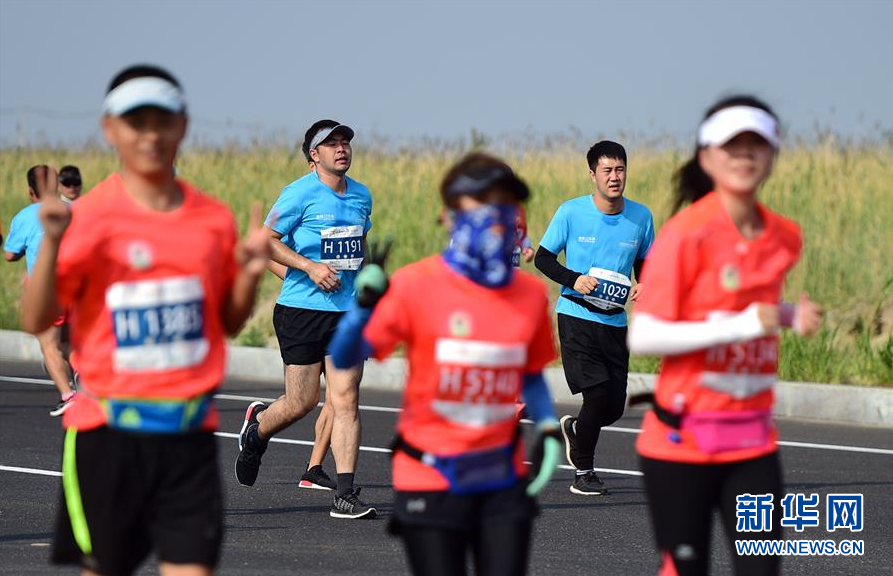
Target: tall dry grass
840 195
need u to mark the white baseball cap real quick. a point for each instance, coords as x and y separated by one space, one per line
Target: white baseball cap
323 134
145 91
727 123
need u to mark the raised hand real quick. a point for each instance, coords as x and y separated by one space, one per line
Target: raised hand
253 251
55 216
47 182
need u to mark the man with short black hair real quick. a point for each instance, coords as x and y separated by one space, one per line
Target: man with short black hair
318 229
605 237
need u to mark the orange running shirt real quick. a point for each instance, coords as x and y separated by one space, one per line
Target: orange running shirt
468 349
701 267
145 292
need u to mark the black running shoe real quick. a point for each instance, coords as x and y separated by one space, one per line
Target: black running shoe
588 484
350 506
316 478
63 405
251 447
569 432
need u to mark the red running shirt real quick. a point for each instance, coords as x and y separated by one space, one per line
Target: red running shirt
701 267
468 349
145 291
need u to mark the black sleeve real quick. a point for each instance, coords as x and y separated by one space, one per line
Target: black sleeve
637 268
547 263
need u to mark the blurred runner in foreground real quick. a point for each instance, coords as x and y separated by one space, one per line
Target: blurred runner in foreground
713 311
478 335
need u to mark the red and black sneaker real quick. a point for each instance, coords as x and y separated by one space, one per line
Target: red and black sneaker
315 478
251 447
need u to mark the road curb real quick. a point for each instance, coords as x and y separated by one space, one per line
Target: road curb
845 404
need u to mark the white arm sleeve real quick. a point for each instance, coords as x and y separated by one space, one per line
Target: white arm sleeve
652 336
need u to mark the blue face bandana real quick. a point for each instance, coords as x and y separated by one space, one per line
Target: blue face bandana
482 243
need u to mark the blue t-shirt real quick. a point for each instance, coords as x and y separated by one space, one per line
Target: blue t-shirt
323 226
25 234
606 245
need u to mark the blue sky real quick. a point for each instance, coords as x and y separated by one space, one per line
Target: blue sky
410 70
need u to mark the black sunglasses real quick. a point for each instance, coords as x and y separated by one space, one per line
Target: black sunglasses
70 182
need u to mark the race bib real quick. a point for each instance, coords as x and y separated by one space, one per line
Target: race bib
158 324
479 381
516 257
342 247
612 291
741 369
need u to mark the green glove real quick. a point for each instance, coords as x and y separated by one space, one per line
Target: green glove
371 282
547 452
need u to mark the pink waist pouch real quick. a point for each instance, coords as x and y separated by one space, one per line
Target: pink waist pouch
717 432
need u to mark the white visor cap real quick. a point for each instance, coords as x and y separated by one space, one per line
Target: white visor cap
323 134
724 125
145 91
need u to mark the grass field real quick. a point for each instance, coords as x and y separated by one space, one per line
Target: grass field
840 195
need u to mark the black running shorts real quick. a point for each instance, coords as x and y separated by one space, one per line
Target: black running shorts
592 353
464 513
304 335
125 495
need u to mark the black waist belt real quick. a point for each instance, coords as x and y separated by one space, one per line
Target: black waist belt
591 307
669 418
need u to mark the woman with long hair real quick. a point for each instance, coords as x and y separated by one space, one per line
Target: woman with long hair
713 311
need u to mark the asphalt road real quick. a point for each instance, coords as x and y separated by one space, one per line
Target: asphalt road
276 528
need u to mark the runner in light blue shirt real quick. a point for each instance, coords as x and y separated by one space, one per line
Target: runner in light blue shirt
605 238
605 246
326 227
318 232
25 236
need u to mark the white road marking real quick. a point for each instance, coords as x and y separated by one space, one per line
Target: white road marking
369 408
37 471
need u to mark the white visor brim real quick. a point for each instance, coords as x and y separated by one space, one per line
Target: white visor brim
146 91
724 125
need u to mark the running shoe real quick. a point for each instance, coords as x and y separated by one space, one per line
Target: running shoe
569 431
64 404
251 447
316 478
350 506
588 484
